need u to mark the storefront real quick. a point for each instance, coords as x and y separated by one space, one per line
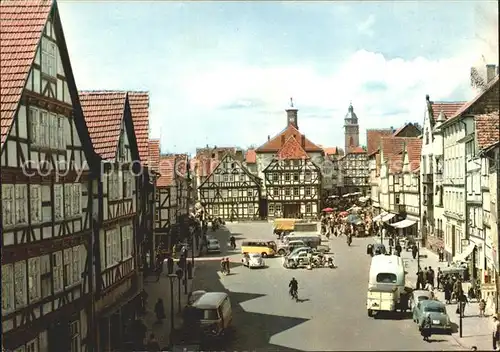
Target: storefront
406 228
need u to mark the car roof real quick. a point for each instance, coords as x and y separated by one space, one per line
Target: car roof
421 293
210 300
213 239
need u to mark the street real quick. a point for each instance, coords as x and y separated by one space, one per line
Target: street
331 314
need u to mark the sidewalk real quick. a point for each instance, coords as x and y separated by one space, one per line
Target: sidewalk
161 289
476 329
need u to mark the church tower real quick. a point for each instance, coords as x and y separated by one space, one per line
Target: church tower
351 129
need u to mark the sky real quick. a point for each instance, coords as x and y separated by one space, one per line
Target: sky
222 73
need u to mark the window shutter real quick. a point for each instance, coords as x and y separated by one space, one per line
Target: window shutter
52 130
109 248
60 133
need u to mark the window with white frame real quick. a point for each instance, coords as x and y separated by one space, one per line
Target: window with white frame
308 208
278 207
215 210
49 57
287 177
271 208
226 177
249 192
287 191
68 261
276 191
68 199
53 143
20 284
127 241
58 202
21 204
34 121
307 191
120 184
296 191
76 205
57 271
8 293
116 246
8 205
114 185
74 329
308 176
276 177
45 276
250 208
76 269
128 180
60 140
34 282
36 203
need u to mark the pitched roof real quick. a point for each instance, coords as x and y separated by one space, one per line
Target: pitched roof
463 109
449 108
204 165
487 129
139 106
21 27
251 156
153 161
395 162
292 150
356 150
414 150
331 150
405 126
166 169
103 112
373 139
274 144
391 146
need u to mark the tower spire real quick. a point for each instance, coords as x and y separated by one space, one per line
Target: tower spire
291 102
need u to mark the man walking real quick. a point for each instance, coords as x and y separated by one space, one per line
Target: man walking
495 332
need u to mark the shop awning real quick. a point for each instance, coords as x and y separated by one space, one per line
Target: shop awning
379 216
403 224
346 195
465 253
388 217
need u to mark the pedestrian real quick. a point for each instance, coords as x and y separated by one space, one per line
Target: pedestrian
170 265
414 251
425 328
228 266
159 311
152 344
420 279
461 303
432 277
482 307
495 332
398 249
439 278
448 289
441 253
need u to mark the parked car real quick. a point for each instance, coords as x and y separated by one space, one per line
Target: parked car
284 249
253 260
193 296
418 296
213 245
375 249
437 312
299 257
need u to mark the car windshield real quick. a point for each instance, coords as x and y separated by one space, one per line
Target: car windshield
422 298
204 314
213 241
434 309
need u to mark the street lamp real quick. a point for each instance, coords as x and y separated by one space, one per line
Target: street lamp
179 274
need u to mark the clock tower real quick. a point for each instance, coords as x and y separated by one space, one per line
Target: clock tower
351 129
291 115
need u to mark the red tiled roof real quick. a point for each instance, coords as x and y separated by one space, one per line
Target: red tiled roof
487 129
274 144
166 169
331 150
356 150
395 163
103 112
391 146
139 106
291 150
251 156
448 108
153 154
21 26
414 150
373 139
204 166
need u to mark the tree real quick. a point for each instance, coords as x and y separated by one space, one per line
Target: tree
477 79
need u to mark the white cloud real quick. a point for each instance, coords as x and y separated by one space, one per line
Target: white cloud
365 27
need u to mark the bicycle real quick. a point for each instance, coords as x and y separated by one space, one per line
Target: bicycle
294 295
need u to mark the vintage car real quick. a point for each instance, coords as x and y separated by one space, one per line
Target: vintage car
284 249
213 245
437 312
418 296
299 257
375 249
253 260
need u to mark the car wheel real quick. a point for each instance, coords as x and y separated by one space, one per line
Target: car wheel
370 313
281 252
264 255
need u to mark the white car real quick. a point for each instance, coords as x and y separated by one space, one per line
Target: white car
213 245
254 260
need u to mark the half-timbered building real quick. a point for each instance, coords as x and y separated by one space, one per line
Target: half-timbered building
293 182
111 129
47 164
271 203
153 165
231 192
354 171
139 107
166 202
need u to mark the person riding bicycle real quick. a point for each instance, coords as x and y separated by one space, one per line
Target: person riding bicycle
294 287
232 242
223 265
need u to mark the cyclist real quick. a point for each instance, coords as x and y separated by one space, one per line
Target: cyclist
294 286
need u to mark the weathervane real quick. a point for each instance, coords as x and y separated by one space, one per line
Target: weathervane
291 102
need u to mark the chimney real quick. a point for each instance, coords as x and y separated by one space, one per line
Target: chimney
491 72
303 141
282 139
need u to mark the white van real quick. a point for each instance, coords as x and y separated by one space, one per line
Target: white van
214 313
386 284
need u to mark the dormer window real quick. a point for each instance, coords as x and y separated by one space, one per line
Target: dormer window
49 62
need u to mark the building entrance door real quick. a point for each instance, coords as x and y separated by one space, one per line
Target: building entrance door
291 210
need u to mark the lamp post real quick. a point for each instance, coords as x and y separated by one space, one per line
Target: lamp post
460 310
178 274
171 278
